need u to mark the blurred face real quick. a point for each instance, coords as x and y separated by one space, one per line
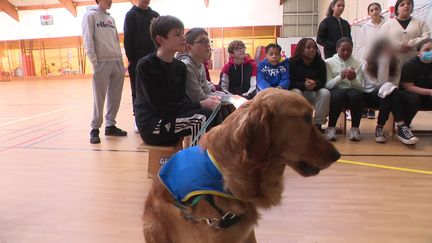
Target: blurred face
338 8
273 56
344 50
310 50
200 48
374 11
175 40
388 51
405 9
105 4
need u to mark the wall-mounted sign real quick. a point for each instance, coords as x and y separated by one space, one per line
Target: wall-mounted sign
46 20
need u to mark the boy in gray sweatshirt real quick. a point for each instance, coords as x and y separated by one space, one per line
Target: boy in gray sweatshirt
101 43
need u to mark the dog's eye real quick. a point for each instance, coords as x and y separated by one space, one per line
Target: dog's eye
308 119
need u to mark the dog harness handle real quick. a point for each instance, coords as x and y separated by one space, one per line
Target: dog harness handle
204 128
227 219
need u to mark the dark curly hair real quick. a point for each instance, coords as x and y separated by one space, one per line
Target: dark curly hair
301 45
273 45
372 58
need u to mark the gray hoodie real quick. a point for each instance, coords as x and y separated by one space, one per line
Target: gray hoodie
198 88
101 41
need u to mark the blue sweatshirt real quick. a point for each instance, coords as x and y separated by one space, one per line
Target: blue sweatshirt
273 76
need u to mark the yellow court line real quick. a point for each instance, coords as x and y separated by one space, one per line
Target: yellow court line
385 167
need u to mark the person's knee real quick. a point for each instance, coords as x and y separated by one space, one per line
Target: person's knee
357 96
412 99
337 96
297 91
324 93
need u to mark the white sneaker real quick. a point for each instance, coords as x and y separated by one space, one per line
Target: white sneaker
355 134
330 133
135 128
379 135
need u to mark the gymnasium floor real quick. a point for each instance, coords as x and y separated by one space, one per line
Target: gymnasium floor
57 187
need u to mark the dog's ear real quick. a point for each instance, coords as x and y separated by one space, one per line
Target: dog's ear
253 133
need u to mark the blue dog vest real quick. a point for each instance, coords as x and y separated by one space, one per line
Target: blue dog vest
191 172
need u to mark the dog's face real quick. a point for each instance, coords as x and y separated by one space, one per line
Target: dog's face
277 125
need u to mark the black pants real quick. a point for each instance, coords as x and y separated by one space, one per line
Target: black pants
351 99
391 103
412 103
132 76
169 131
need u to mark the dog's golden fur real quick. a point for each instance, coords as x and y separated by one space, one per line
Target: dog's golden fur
252 146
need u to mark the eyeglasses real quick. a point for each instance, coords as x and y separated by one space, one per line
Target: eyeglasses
203 42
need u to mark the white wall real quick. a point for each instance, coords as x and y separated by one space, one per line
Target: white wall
221 13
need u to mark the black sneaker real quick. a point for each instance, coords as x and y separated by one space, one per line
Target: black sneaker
405 135
364 113
94 136
114 131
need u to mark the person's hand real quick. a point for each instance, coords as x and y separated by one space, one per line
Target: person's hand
343 74
211 102
405 48
351 74
310 84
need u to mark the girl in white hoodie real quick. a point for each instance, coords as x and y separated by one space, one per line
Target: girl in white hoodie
382 72
369 33
370 29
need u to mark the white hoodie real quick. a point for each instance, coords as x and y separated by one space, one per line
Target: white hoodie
101 41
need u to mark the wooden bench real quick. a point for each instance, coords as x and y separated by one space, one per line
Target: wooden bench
158 156
422 132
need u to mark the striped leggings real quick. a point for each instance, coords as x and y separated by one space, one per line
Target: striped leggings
168 131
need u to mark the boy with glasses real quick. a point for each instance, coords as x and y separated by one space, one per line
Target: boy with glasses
196 52
238 76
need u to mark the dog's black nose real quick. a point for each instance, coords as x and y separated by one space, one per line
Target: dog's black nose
335 155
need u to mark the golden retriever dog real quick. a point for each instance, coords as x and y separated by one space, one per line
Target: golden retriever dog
252 147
